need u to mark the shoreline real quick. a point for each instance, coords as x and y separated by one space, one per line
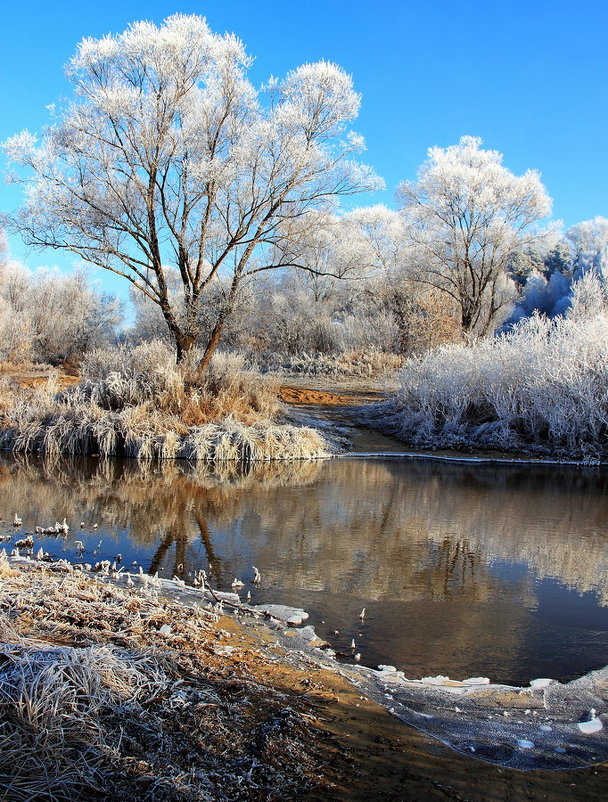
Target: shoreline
475 460
544 725
331 741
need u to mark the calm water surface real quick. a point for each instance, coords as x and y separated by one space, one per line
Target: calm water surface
465 570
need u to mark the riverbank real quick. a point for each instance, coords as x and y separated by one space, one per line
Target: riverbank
140 403
124 693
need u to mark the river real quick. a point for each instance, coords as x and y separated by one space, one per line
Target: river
463 569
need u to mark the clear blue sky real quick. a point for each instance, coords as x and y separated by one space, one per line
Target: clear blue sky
529 77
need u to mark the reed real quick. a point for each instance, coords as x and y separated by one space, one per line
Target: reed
541 389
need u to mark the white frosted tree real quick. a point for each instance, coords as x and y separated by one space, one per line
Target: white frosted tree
52 317
3 250
589 245
466 215
169 160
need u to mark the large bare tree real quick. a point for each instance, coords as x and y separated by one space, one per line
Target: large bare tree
168 160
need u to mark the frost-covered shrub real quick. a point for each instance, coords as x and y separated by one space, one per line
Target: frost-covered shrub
120 377
115 377
542 388
369 363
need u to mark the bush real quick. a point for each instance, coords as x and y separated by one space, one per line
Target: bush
370 363
541 389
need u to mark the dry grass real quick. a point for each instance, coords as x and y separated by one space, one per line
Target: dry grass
148 376
10 368
103 705
139 403
363 364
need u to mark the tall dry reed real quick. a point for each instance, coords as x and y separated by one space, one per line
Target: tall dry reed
542 389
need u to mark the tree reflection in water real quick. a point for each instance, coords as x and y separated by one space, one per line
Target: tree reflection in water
390 527
452 553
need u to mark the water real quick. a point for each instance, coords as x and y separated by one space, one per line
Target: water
463 569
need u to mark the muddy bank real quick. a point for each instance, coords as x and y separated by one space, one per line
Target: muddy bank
231 713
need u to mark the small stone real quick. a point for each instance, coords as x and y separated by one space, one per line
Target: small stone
165 630
525 744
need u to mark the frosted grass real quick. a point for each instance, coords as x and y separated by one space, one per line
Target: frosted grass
541 389
140 403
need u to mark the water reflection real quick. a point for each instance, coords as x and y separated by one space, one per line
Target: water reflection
463 568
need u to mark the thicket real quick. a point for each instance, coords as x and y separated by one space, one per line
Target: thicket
540 389
51 317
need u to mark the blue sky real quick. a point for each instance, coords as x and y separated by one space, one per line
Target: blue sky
530 78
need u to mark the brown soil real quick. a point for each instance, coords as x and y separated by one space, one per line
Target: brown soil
371 755
32 376
63 380
307 396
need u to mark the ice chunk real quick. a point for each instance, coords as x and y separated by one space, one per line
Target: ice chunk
542 682
282 612
591 726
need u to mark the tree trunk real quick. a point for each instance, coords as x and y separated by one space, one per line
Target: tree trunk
216 334
184 343
210 349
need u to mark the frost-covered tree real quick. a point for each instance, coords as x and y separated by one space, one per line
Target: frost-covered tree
558 260
169 158
523 264
548 297
52 317
570 277
466 216
419 319
379 235
589 243
3 249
